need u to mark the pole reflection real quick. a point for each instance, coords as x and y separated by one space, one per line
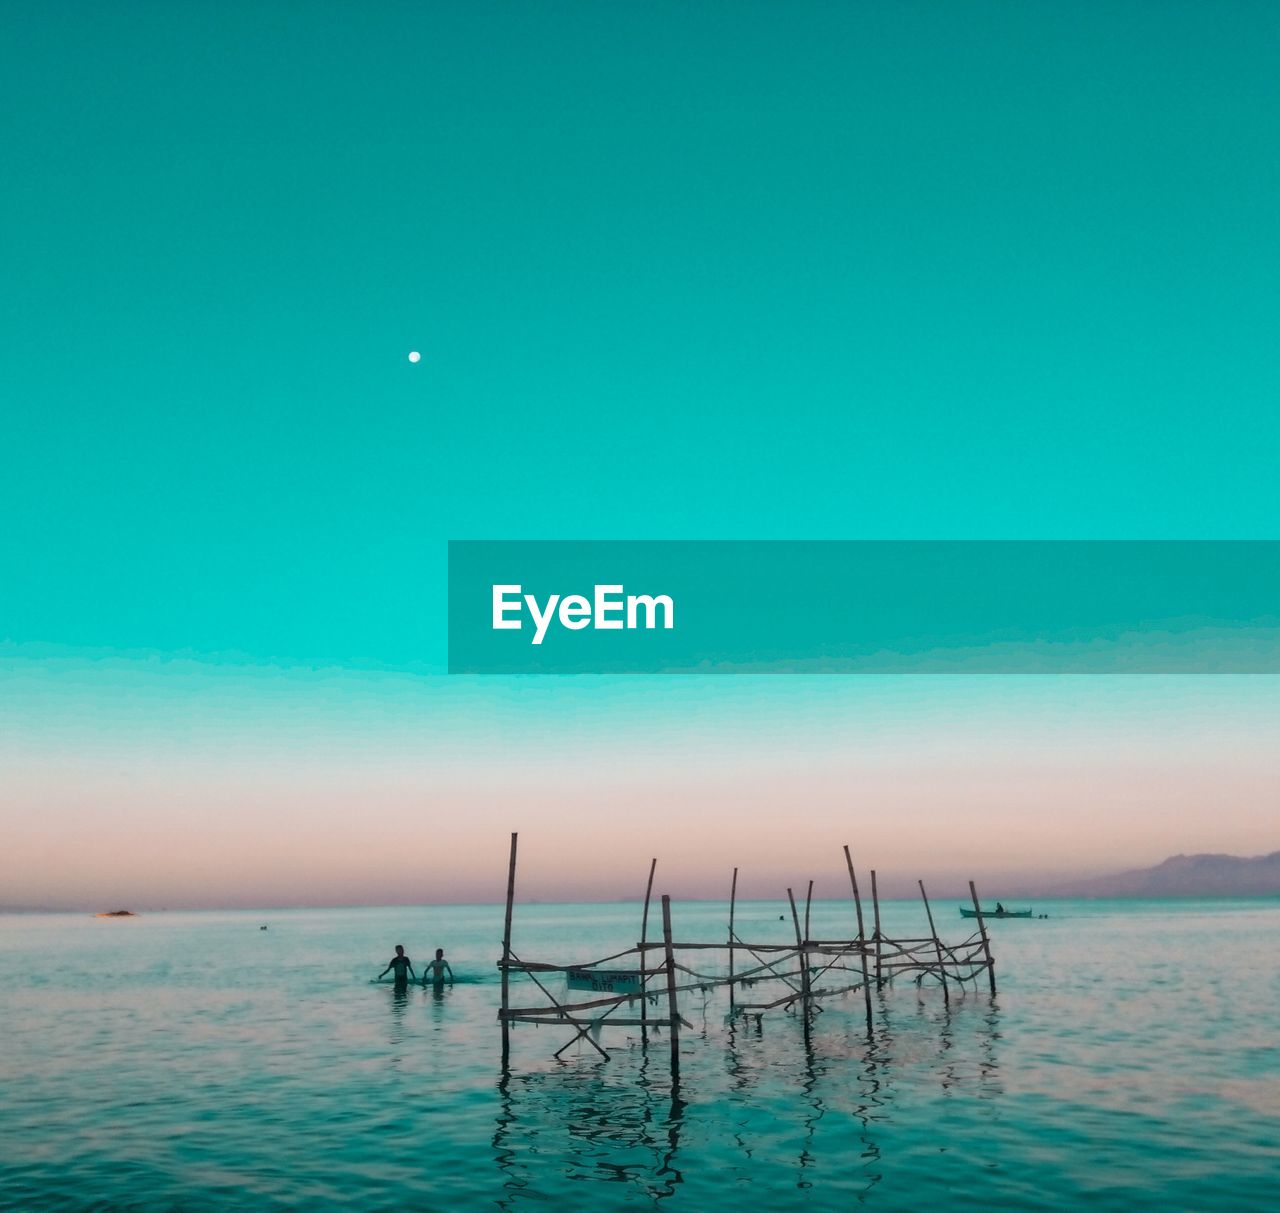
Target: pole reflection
588 1123
822 1092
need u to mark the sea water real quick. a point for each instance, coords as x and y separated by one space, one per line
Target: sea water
1129 1060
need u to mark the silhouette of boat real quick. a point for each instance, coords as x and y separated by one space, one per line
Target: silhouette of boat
970 912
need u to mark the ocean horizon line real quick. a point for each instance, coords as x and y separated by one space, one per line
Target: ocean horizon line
130 912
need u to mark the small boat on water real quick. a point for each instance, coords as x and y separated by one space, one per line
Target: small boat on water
970 912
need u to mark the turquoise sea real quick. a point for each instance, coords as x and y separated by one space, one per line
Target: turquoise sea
188 1061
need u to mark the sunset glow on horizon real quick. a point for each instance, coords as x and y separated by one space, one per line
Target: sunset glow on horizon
224 787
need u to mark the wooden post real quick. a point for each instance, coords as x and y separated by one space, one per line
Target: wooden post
862 943
506 952
673 1009
644 954
986 943
808 935
801 951
875 903
733 901
937 944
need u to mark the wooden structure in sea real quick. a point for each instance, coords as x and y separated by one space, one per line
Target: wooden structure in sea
628 988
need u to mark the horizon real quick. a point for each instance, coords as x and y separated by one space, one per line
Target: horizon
896 886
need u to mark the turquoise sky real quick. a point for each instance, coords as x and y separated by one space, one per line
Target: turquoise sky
838 270
948 270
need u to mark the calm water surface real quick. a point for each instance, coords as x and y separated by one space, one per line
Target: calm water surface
191 1061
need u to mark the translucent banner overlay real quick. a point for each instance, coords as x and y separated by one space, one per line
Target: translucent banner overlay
864 607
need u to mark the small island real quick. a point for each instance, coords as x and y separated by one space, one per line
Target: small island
116 914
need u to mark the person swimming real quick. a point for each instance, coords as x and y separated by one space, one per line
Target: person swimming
400 962
434 970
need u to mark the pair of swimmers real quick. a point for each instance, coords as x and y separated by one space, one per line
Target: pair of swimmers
434 972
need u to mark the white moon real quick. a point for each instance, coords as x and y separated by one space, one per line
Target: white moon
414 355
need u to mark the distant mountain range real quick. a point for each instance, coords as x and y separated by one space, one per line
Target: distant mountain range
1186 876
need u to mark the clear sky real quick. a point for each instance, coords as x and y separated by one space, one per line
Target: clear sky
847 270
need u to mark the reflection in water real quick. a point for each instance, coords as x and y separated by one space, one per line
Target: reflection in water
438 993
402 1028
620 1122
956 1040
181 1058
503 1154
588 1124
989 1072
399 1001
813 1097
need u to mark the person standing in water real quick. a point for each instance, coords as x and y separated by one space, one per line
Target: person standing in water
401 963
435 970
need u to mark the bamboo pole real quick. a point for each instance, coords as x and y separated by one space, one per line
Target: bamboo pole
862 944
644 969
808 902
560 1010
733 901
875 904
506 952
801 952
754 949
919 957
937 943
673 1010
986 943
